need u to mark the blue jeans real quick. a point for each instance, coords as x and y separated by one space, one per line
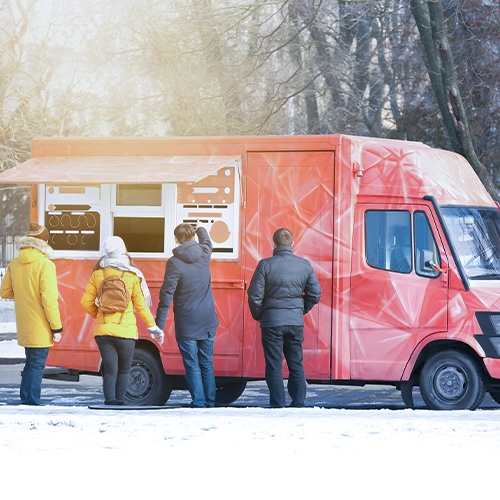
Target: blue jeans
285 340
31 376
197 356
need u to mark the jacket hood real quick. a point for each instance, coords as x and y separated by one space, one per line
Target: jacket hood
188 252
27 243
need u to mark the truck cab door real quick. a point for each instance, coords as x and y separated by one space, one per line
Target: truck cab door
399 289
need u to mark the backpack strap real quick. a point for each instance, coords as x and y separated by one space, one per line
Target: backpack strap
105 276
123 312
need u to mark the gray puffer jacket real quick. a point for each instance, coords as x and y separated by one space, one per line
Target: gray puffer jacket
188 284
283 289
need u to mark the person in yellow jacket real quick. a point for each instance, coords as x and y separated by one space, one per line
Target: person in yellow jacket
116 333
31 281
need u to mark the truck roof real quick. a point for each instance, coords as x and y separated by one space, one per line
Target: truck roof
382 167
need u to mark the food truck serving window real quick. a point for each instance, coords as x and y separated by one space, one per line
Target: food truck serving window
141 234
80 217
138 195
141 215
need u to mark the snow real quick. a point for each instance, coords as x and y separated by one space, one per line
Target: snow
8 345
249 452
64 451
11 349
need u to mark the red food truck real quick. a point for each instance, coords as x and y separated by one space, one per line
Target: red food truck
404 239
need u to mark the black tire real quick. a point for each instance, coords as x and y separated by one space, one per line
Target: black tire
229 391
148 385
452 380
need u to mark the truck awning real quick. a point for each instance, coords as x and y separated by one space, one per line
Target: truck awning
114 169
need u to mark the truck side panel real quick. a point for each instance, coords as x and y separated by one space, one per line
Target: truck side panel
294 190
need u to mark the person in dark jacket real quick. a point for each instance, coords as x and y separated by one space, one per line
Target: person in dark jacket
188 284
283 288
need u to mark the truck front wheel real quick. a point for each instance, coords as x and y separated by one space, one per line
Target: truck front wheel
452 380
148 384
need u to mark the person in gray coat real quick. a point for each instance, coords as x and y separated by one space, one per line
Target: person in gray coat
188 284
283 288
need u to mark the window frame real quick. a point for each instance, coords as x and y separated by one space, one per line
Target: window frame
416 259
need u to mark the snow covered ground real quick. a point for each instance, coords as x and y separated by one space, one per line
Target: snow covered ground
250 453
62 451
8 344
245 453
10 349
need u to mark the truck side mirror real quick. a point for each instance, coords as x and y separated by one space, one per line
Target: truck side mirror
426 265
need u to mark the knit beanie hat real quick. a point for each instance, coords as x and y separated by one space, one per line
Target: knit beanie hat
38 231
114 246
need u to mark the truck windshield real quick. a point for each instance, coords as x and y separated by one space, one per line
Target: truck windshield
475 233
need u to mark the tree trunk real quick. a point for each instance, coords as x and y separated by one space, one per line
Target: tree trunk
428 15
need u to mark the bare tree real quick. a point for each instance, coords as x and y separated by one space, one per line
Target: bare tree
17 124
171 67
429 17
16 121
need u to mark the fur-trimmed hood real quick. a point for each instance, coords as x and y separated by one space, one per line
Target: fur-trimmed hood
28 242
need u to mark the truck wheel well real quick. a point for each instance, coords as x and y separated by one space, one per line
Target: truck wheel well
148 346
440 345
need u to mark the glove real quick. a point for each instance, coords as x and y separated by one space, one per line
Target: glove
56 337
157 334
204 225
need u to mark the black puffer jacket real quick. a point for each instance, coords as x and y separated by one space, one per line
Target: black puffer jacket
188 284
283 289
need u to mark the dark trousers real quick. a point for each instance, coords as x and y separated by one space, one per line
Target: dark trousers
117 354
31 376
286 340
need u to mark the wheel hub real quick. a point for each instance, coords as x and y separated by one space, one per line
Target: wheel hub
450 383
139 381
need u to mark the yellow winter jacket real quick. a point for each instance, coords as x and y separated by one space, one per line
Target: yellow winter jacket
31 281
109 324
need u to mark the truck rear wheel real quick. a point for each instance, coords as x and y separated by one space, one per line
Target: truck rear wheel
451 380
229 391
148 384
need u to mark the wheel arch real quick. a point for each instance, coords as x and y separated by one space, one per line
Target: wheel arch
148 346
440 345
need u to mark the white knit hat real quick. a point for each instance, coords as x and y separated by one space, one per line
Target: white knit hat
114 246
